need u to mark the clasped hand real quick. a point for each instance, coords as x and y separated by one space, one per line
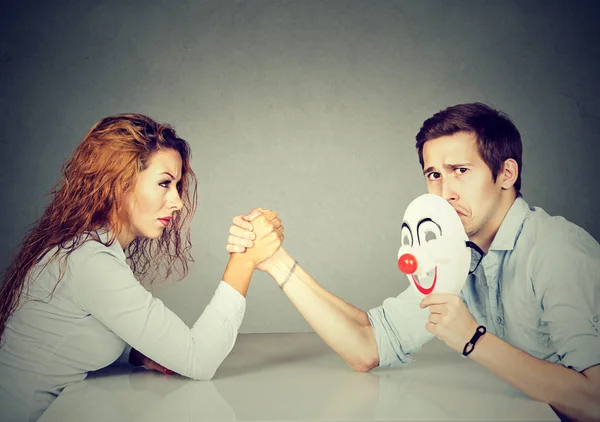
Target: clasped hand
258 235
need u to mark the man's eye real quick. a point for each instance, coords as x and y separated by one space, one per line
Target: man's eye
433 176
462 170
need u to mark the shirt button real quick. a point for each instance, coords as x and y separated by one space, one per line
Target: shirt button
595 318
499 319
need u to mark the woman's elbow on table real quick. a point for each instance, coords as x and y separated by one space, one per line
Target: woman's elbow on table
203 374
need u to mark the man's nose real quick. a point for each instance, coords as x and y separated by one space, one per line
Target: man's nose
449 191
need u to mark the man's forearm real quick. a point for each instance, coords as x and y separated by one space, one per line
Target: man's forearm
567 390
345 328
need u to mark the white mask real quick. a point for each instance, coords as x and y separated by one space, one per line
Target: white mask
434 254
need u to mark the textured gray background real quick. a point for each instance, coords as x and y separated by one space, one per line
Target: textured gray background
309 108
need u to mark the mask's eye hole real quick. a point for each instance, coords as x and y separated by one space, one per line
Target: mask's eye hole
427 231
406 236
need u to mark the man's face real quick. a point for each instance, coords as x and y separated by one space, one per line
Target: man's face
455 171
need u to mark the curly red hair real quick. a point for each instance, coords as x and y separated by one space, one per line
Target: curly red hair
89 196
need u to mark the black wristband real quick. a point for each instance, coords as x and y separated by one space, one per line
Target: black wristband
471 344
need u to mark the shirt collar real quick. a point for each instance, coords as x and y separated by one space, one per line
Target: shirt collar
511 226
105 235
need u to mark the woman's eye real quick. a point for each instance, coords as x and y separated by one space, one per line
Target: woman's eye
165 184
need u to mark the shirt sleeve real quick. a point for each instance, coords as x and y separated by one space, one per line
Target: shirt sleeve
106 288
566 277
399 326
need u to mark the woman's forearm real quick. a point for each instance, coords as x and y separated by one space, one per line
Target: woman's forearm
238 273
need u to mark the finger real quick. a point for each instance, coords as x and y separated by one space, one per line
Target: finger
431 328
235 248
279 231
232 240
276 223
437 309
434 299
270 215
253 214
435 318
241 233
153 366
238 221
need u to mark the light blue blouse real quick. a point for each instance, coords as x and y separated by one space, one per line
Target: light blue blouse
96 310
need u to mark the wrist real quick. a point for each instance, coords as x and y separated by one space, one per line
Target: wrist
242 261
476 339
280 264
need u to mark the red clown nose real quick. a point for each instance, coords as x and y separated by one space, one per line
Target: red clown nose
407 263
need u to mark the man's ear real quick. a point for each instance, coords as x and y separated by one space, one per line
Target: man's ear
509 173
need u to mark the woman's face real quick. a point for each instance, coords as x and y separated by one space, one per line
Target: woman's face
154 199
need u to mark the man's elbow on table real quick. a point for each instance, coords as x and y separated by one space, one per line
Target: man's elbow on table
368 357
365 364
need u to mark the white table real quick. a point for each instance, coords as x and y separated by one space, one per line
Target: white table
297 377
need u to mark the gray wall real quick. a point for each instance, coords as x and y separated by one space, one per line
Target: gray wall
309 108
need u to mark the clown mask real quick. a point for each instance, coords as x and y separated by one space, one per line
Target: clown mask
434 255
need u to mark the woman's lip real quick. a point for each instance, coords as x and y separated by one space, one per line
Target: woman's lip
164 221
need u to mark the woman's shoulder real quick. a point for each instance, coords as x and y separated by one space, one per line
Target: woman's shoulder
91 245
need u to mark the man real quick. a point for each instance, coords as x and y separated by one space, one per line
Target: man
536 290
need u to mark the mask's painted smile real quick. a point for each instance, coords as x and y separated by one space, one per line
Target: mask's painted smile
422 282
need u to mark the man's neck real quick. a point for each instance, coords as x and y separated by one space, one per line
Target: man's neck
485 236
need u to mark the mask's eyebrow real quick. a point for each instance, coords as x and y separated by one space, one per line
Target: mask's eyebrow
405 224
423 221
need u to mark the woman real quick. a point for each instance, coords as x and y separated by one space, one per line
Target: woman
70 302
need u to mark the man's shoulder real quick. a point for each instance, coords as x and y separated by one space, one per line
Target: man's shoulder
543 227
547 238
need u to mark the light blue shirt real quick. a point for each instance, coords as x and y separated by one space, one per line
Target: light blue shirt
538 288
85 323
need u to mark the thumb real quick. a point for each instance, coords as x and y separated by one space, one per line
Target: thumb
253 214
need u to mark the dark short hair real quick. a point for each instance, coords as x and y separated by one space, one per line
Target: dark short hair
497 136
